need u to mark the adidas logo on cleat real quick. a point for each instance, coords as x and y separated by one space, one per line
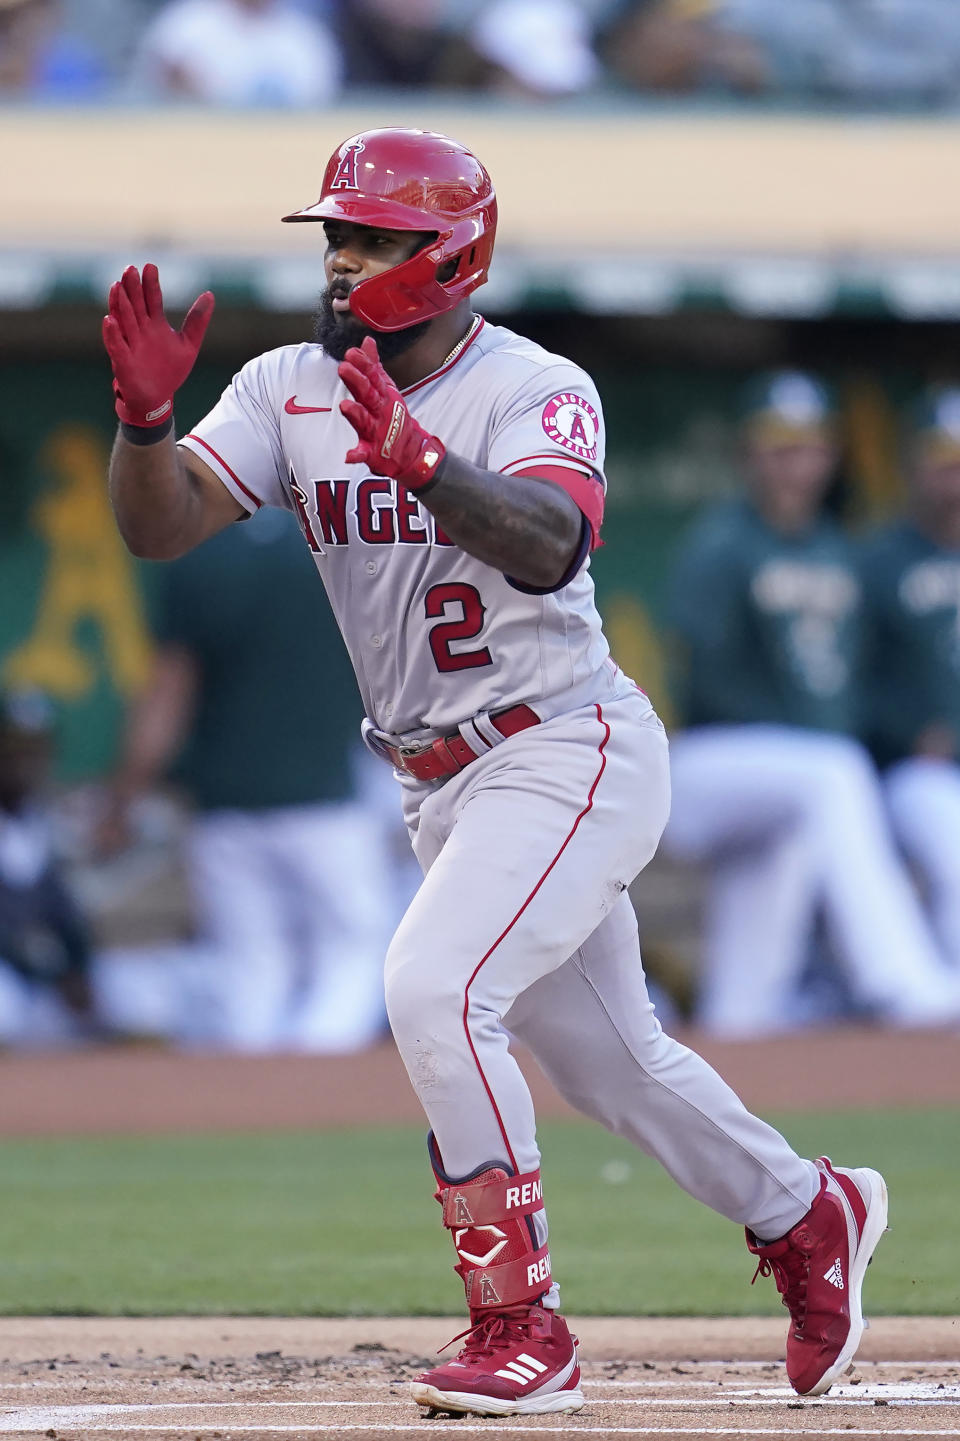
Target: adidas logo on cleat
835 1275
523 1369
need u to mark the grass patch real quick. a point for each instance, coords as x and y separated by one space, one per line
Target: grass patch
338 1223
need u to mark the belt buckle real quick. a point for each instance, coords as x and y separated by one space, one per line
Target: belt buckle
412 752
407 753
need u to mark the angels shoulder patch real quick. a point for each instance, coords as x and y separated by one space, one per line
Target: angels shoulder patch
572 422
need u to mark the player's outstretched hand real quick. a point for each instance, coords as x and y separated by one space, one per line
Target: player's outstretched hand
390 441
150 359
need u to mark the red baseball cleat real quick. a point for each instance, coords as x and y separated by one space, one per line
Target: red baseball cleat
819 1268
521 1361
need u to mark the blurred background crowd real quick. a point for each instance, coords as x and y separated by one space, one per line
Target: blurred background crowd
316 52
194 847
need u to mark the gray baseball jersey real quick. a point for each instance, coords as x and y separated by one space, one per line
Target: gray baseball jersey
435 635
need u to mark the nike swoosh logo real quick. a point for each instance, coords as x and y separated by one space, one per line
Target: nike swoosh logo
292 408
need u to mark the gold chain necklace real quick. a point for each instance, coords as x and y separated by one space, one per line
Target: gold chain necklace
462 342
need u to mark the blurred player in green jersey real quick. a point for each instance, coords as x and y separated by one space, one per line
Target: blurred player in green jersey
771 789
911 577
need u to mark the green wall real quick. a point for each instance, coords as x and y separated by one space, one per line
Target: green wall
71 597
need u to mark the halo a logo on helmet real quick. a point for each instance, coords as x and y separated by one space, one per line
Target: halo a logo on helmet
346 176
572 422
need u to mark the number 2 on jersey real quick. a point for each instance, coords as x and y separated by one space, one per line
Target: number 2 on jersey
463 627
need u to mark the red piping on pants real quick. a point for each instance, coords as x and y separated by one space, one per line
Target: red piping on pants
507 929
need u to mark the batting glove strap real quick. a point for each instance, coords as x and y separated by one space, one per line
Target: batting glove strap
427 470
161 415
158 419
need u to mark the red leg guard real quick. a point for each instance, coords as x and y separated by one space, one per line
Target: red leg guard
489 1215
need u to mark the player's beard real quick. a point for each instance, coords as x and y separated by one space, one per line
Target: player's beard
337 331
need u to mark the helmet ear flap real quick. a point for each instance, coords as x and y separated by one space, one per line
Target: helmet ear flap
432 281
457 265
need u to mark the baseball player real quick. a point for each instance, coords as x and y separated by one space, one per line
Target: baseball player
448 476
911 576
770 786
286 866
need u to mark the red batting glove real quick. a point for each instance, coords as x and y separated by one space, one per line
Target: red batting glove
391 441
150 359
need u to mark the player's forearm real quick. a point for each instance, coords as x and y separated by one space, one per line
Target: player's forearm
155 499
527 528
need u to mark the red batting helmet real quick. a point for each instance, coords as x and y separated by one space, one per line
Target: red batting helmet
412 180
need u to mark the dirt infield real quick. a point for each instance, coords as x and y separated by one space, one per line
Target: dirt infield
242 1377
144 1089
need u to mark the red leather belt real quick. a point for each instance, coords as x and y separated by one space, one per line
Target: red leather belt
450 754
